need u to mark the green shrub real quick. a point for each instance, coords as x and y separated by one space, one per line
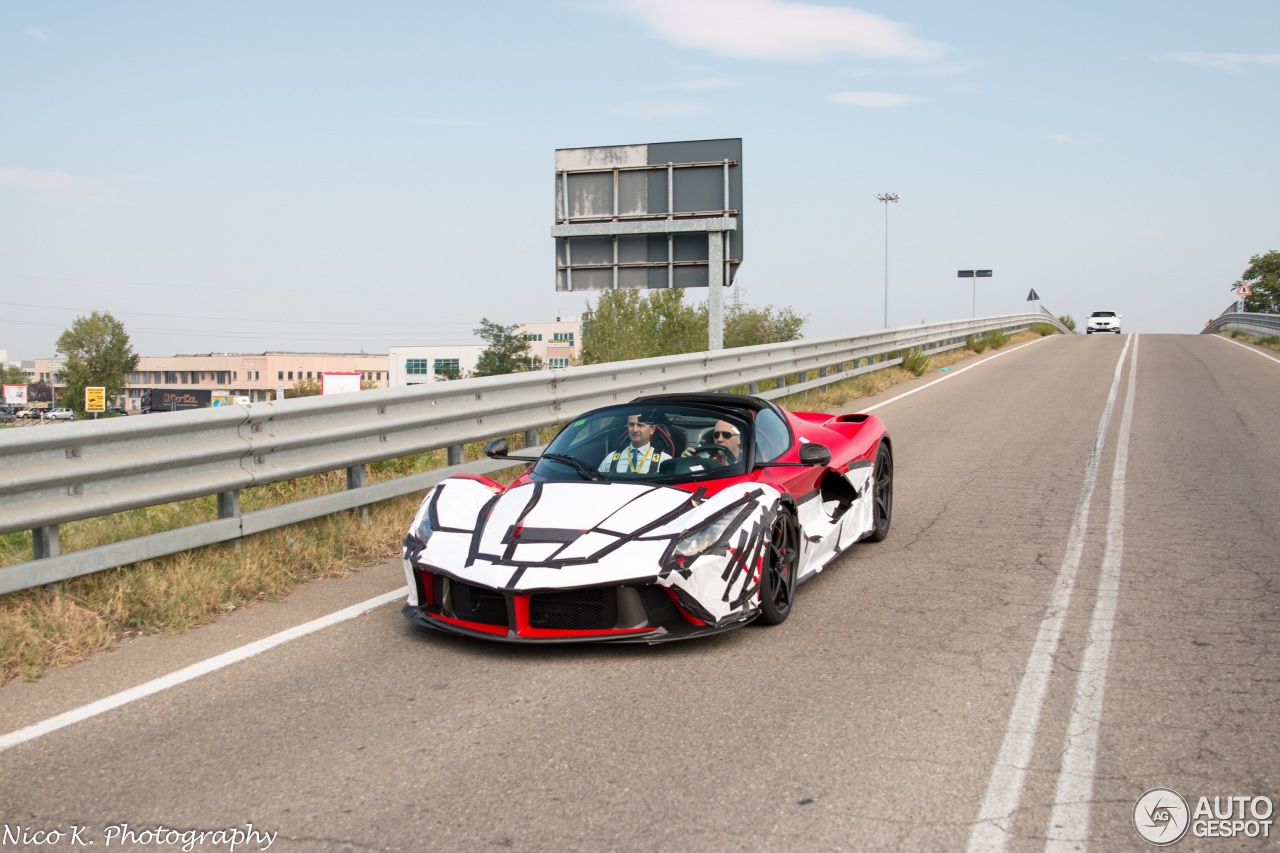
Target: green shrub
977 344
995 338
1043 329
1068 321
916 361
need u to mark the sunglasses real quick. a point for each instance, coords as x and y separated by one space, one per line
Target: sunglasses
724 435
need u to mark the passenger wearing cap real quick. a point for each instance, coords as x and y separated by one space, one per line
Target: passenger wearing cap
724 435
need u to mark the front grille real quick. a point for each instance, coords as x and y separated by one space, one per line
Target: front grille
477 604
575 609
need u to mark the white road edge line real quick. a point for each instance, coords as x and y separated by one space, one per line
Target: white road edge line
236 655
1249 348
951 375
1069 824
991 828
196 670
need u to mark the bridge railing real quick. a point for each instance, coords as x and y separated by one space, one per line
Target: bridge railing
55 475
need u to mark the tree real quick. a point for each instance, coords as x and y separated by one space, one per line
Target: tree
507 352
745 327
39 392
303 388
627 324
96 352
1263 276
11 374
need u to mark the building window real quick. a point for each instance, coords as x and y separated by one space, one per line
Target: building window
415 367
290 374
445 364
532 336
563 336
280 374
558 362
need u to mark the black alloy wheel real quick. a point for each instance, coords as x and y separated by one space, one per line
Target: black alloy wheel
882 493
778 574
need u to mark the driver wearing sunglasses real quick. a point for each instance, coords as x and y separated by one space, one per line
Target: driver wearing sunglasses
724 435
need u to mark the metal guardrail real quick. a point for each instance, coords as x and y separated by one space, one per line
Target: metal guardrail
90 469
1263 325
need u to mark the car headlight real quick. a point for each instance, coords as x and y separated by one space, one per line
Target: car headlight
701 538
421 526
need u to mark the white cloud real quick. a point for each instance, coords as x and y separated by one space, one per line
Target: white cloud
1224 61
873 99
647 110
1062 137
777 29
56 185
445 122
37 33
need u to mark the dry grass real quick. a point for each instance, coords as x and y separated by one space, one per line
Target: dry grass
40 629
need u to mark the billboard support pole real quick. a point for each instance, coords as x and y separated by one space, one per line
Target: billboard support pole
715 290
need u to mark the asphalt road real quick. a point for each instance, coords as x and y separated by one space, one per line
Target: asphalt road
1077 603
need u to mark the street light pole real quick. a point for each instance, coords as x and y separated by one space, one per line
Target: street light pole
886 198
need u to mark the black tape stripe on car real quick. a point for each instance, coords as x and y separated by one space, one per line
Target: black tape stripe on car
473 550
433 516
508 537
735 567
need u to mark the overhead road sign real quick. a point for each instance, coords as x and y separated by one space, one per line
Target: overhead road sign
975 275
655 215
639 216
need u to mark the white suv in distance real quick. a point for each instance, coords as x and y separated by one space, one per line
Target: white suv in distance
1103 321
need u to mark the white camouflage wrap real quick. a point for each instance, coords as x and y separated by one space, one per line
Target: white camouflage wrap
554 536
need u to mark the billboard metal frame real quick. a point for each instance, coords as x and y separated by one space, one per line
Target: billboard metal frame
596 209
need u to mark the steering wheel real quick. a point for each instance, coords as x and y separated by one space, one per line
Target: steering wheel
713 450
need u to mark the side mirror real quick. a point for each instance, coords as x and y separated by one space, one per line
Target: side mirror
497 449
815 454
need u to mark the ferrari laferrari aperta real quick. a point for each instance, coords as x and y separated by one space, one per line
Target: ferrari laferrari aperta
668 517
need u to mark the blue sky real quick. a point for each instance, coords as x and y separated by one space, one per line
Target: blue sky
325 176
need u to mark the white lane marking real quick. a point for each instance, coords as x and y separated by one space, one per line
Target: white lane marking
992 827
1253 350
1069 823
196 670
949 376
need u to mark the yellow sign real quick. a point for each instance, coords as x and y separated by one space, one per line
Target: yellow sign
95 399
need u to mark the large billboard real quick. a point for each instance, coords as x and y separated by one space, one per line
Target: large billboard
654 215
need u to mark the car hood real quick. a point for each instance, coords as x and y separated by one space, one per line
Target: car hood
542 536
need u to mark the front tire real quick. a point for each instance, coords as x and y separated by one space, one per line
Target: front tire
882 494
778 573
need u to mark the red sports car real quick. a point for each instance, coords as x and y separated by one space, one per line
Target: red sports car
668 517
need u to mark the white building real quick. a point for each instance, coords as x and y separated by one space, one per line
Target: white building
416 365
556 344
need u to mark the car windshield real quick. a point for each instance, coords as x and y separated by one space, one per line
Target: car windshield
648 443
1104 313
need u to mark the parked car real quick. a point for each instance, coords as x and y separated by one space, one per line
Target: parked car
7 413
1103 321
115 410
29 412
62 413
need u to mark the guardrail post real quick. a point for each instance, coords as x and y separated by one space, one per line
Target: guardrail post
531 438
455 454
753 388
782 382
229 507
45 543
356 477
